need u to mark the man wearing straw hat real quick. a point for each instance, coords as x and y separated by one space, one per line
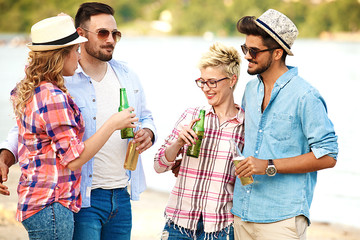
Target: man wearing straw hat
106 208
288 136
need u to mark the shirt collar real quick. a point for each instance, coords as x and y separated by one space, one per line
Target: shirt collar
240 116
285 78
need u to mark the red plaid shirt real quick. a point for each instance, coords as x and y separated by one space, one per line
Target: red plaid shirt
204 185
50 134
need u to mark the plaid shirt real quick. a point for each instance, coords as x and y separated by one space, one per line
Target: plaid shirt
50 136
204 186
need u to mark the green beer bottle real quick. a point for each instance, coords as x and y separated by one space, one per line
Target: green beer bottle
126 132
194 150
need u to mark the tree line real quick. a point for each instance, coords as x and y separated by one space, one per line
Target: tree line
193 17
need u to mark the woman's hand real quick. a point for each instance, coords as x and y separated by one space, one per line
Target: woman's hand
124 119
187 134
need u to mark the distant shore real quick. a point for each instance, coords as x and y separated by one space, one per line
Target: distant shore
148 217
21 39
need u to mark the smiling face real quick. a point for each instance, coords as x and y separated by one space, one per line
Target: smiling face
263 60
223 93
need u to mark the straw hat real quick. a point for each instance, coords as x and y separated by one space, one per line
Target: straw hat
54 33
279 27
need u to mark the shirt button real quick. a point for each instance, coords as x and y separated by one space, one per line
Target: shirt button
90 82
90 176
94 100
256 151
248 191
260 130
94 118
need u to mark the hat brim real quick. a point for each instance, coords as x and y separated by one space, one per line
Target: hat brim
289 52
40 48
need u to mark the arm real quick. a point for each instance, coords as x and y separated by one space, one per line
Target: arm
7 159
11 142
63 124
120 120
320 136
299 164
165 157
147 135
8 152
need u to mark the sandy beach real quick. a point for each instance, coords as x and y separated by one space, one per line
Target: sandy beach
148 220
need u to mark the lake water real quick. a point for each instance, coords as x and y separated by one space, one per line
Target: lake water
167 68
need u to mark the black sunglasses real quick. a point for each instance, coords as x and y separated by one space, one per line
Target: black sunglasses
104 34
254 52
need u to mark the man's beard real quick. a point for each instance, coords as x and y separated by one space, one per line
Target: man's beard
261 69
98 54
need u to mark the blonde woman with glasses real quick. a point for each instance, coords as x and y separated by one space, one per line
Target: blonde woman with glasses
200 202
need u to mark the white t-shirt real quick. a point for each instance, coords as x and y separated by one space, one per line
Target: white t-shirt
109 172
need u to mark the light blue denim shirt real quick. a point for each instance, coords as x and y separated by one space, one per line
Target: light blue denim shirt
82 90
295 122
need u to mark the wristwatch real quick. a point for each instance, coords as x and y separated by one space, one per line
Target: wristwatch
271 169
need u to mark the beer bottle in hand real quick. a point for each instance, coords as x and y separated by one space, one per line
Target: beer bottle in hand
194 150
126 132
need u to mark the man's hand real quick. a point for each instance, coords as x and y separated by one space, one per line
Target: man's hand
6 160
250 166
143 137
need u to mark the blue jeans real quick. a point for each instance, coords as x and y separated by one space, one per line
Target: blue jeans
55 222
173 232
109 216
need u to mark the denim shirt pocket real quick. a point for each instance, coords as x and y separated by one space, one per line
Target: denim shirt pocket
281 126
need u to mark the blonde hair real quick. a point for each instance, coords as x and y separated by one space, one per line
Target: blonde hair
43 66
220 55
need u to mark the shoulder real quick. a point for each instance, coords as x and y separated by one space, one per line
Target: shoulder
119 65
303 88
122 67
252 84
47 89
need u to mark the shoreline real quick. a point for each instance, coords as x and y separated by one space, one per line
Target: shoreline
148 217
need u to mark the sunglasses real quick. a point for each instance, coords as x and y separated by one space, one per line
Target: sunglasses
254 52
103 34
211 83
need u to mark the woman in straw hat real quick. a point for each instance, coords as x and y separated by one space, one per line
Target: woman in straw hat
51 127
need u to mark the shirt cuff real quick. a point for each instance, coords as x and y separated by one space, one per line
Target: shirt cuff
76 147
320 152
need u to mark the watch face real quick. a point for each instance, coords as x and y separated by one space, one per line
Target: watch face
271 171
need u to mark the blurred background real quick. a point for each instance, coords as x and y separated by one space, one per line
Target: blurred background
163 40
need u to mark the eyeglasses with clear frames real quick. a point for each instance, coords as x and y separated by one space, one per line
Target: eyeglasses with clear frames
211 83
104 34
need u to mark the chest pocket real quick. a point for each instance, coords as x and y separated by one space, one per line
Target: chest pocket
281 126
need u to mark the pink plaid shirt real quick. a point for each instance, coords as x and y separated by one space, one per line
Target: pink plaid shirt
50 136
205 185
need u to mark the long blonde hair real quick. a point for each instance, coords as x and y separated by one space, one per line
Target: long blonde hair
43 66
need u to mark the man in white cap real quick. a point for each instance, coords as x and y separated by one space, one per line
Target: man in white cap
288 136
106 210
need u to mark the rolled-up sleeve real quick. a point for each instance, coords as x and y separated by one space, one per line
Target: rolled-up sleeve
161 164
317 126
63 124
